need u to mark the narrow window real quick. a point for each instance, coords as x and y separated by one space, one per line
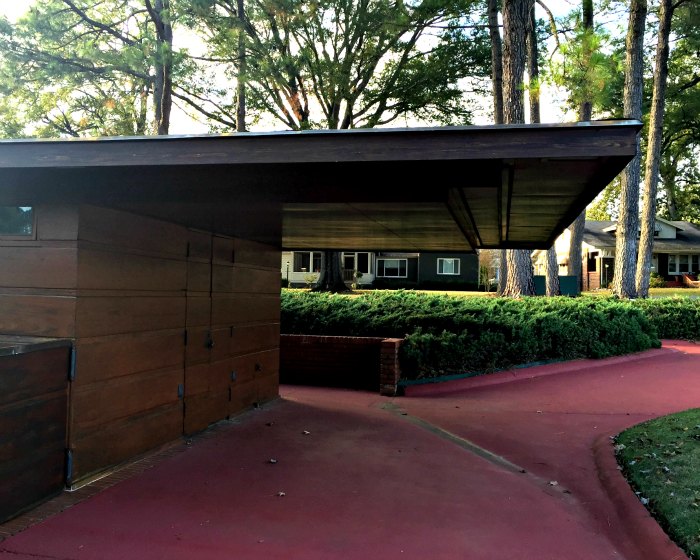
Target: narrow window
363 263
672 264
448 266
302 262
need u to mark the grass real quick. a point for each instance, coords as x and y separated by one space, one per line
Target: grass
660 459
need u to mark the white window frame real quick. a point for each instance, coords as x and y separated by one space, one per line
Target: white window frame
675 260
442 260
381 267
311 261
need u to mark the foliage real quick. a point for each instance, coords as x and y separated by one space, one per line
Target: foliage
457 335
659 458
84 68
606 205
656 280
679 173
588 66
673 317
341 64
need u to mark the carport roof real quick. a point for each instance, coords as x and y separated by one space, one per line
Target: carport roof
410 189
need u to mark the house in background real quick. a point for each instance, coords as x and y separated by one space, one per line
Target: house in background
675 254
387 269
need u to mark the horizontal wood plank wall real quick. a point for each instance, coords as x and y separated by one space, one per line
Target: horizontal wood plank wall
233 329
130 291
206 388
33 404
253 308
38 277
130 347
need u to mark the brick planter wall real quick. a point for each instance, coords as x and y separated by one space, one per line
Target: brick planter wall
368 363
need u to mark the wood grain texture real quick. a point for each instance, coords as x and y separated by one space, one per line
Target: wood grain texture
103 358
255 280
30 266
268 387
252 338
57 222
198 276
208 378
95 407
37 315
256 254
32 374
113 270
245 308
121 440
222 249
199 245
243 396
99 316
33 405
125 230
198 349
252 366
205 409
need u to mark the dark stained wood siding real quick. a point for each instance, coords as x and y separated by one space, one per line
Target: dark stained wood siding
130 319
233 328
38 277
33 404
161 316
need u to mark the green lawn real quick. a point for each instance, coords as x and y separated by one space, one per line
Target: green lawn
661 460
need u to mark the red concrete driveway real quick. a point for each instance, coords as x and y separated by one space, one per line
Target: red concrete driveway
433 475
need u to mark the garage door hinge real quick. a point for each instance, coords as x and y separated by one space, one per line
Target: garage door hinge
71 371
69 467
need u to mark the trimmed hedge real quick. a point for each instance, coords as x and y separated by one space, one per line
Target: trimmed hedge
446 335
673 317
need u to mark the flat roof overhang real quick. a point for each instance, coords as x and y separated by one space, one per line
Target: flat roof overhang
410 189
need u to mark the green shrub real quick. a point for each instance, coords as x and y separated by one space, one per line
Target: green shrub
675 317
445 335
656 280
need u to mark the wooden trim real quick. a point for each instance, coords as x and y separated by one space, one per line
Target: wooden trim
417 144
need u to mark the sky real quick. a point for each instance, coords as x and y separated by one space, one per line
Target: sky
551 99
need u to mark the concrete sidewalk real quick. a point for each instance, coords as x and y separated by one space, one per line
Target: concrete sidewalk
326 474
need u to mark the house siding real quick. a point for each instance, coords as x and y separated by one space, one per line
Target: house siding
173 329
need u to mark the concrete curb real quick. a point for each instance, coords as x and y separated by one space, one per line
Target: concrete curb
641 528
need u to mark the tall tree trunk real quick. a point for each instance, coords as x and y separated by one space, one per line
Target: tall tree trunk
496 62
516 15
668 180
516 18
242 68
651 170
628 222
585 113
497 91
160 14
551 268
551 271
331 277
520 274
